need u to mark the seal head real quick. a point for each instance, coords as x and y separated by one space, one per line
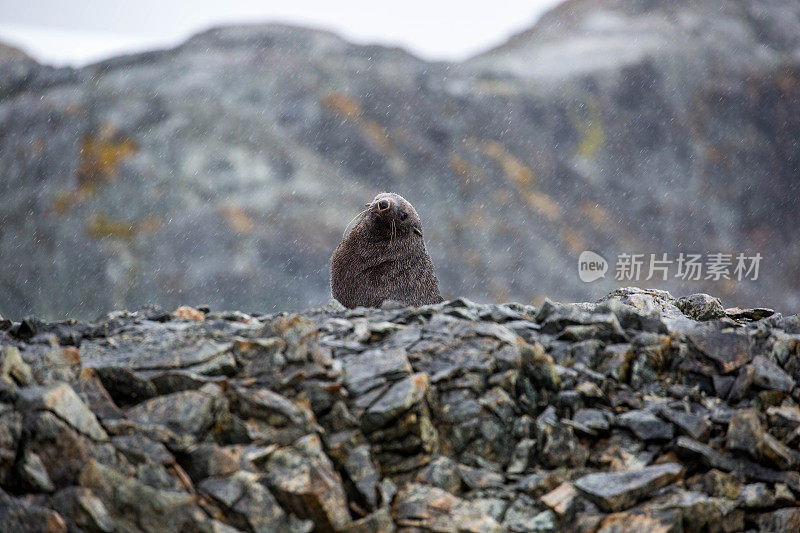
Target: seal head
384 258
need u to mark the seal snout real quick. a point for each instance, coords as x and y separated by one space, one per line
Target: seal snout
384 204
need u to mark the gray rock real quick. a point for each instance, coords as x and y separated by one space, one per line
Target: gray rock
768 375
305 482
620 490
62 401
84 508
249 504
701 307
594 419
187 412
646 425
419 506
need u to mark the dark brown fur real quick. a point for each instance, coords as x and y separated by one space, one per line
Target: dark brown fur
384 258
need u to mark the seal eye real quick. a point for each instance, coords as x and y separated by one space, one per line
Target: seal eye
383 205
403 215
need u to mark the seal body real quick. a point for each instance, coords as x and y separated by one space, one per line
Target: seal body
384 258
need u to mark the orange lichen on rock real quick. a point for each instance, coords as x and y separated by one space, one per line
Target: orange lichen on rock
189 313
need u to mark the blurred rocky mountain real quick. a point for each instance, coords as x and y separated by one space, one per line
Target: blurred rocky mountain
224 171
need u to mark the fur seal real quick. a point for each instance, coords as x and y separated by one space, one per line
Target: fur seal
384 258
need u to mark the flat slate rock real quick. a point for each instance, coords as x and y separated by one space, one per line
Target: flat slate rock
615 491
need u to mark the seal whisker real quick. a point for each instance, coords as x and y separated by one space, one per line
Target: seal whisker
351 221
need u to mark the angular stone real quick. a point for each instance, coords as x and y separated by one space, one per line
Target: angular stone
646 425
140 449
701 307
643 521
729 350
10 433
209 460
186 412
479 478
61 400
13 369
249 505
768 375
756 313
746 433
615 361
84 508
372 368
442 472
700 512
33 473
619 490
563 500
780 521
270 406
364 475
756 495
134 505
742 384
539 367
594 419
696 426
20 516
521 456
124 385
378 522
556 442
396 401
305 482
433 509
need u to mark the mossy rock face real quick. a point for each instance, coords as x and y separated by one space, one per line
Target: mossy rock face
224 170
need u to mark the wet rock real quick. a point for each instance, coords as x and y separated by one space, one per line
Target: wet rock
701 307
769 375
363 474
646 425
17 515
430 508
378 522
619 490
248 504
756 313
563 500
556 442
437 418
746 433
643 521
523 516
134 505
125 386
187 412
443 473
695 425
597 420
780 520
305 482
62 401
83 508
728 350
13 369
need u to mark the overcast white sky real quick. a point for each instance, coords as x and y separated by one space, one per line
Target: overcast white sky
77 32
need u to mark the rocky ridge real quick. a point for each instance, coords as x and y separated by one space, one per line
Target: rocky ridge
640 412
